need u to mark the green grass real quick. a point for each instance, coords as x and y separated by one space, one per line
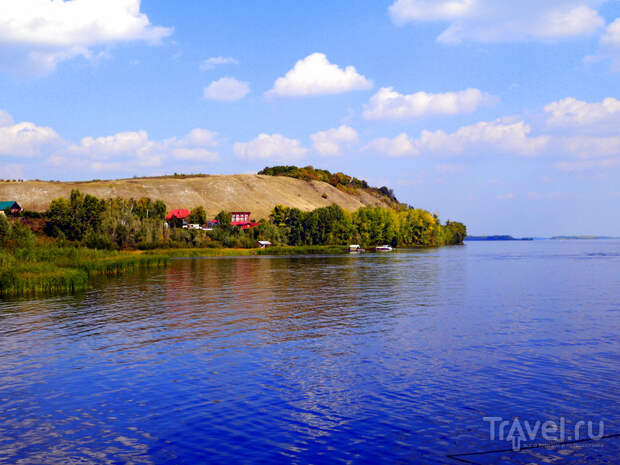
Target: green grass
223 252
65 270
304 250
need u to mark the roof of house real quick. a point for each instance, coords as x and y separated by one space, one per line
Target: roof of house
179 213
4 204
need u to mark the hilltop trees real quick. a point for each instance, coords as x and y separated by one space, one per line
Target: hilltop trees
341 181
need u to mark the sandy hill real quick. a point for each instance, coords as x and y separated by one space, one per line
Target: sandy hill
241 192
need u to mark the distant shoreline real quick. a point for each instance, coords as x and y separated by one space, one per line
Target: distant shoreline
506 237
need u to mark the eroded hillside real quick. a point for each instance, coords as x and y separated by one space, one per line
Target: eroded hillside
248 192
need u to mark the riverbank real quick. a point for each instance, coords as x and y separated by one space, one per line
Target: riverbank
45 271
65 270
226 252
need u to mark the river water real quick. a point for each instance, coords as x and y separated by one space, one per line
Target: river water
373 358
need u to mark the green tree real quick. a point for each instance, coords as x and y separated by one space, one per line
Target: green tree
198 216
224 218
5 227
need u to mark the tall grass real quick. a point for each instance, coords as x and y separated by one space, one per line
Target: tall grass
64 270
226 252
46 270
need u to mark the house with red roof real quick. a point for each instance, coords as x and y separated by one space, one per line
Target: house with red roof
178 216
242 220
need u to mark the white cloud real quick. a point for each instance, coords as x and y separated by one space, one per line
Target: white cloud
611 36
572 113
610 45
333 141
227 89
389 104
500 136
270 146
120 144
213 62
35 35
591 146
137 149
399 146
199 136
503 136
315 75
489 21
25 139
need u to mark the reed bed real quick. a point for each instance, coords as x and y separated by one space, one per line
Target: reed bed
65 270
226 252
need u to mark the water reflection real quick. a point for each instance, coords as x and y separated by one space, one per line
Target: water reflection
375 358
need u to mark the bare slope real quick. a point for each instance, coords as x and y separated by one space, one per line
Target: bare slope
246 192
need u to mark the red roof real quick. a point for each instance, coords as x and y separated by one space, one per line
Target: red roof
179 213
244 224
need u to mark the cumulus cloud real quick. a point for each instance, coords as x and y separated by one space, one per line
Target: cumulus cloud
389 104
315 75
35 35
137 149
584 136
270 146
227 89
591 146
333 141
25 139
609 45
503 136
213 62
401 145
487 21
498 136
199 136
572 113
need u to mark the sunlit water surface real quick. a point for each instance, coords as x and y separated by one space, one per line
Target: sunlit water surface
377 358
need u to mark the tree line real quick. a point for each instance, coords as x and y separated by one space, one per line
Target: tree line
339 180
117 223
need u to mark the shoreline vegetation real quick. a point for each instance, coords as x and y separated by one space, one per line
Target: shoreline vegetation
57 252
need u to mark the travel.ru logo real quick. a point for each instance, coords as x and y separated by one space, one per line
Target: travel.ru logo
524 432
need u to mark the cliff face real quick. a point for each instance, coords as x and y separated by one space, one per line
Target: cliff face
243 192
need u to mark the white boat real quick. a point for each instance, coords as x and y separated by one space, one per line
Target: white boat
383 248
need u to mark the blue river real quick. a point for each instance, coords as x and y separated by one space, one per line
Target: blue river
414 356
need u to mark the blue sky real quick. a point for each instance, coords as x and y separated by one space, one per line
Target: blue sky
503 115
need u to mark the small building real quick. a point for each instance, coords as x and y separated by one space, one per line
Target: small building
240 217
11 206
179 214
242 220
178 217
263 244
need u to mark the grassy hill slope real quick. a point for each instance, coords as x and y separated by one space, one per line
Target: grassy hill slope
247 192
